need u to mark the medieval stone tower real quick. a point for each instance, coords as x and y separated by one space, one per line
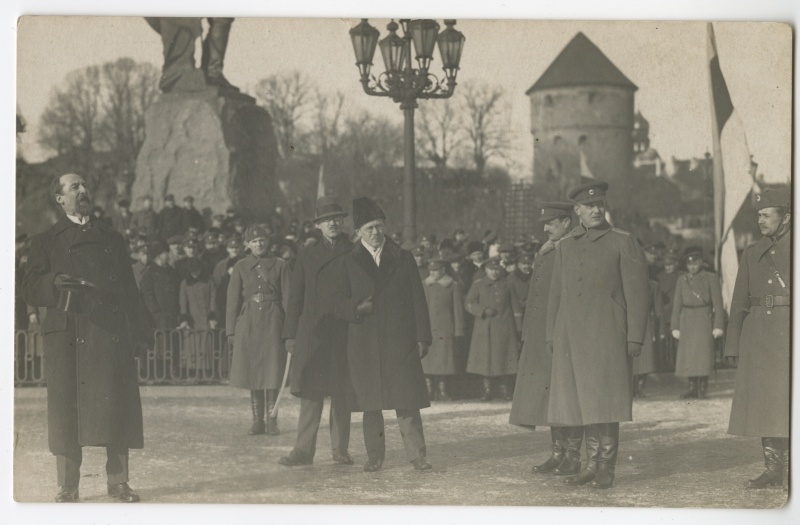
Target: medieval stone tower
582 119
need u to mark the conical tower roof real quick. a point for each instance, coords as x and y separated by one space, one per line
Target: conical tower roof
581 63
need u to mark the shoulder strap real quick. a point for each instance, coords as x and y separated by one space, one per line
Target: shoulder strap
772 267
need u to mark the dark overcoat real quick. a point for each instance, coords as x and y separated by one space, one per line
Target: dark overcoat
696 311
645 362
494 348
92 385
319 360
170 223
446 308
759 336
259 354
160 292
385 368
532 390
599 299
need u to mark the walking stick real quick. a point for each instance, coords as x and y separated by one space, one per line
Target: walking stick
274 412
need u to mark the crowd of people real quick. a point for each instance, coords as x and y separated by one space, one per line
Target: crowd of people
567 330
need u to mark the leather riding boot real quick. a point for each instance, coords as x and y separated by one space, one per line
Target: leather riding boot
429 385
773 475
609 447
692 392
640 379
592 457
702 387
257 403
571 464
487 389
214 47
443 396
557 455
272 422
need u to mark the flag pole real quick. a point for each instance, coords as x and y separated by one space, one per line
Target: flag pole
719 174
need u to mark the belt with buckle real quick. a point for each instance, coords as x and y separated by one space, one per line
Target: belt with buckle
262 297
770 300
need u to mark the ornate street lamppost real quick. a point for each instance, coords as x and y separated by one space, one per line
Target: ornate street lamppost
405 84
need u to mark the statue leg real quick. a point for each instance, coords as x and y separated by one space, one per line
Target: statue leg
214 47
178 37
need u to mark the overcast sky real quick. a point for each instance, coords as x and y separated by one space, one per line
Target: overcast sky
667 61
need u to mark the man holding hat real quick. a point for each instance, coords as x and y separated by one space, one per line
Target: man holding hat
532 392
318 340
759 338
160 289
80 271
596 323
389 334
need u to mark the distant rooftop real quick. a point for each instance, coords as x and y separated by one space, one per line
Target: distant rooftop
581 63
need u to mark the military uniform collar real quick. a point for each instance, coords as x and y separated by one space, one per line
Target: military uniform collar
763 245
255 261
592 233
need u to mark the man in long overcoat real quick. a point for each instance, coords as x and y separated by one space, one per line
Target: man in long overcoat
596 321
758 338
92 385
532 392
389 334
318 341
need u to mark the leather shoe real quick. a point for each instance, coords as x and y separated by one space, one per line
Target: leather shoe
548 466
373 465
582 478
421 464
342 458
603 480
67 495
296 459
123 493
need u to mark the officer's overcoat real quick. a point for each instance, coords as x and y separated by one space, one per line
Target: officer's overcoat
696 311
319 360
383 359
446 307
532 391
760 337
92 385
259 354
494 348
599 299
645 362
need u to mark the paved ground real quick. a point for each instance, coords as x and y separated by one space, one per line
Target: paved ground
674 454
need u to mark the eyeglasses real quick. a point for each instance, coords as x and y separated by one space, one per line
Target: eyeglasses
371 228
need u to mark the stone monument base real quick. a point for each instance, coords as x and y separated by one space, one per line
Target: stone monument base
215 145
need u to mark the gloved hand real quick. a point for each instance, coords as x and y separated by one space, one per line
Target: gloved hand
290 345
230 339
732 360
716 333
183 326
489 312
422 348
365 307
212 324
61 279
676 334
33 318
634 349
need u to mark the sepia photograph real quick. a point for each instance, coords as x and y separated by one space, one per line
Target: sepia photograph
479 261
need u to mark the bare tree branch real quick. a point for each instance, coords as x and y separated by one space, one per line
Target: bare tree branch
288 98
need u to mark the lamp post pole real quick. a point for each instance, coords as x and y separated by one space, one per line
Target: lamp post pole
405 84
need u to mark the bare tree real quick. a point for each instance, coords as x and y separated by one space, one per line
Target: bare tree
288 98
372 141
485 122
438 128
326 128
70 123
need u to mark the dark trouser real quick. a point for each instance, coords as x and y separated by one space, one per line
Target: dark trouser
308 426
602 445
68 466
410 422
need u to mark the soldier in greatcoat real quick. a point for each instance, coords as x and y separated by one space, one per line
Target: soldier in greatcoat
446 306
318 340
520 280
493 351
667 281
697 319
596 321
258 293
532 392
759 338
645 363
81 265
388 335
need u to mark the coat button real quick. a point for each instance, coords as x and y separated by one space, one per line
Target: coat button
772 252
115 339
112 277
81 340
769 281
769 312
579 294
